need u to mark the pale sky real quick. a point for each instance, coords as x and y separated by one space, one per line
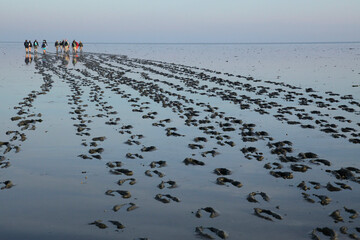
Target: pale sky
181 21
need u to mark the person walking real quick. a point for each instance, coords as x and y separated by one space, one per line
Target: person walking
30 45
73 45
81 46
44 45
66 45
61 45
36 44
26 45
57 45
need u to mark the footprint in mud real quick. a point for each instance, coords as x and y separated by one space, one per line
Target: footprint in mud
7 185
119 171
336 216
117 224
200 139
195 146
192 161
131 142
316 185
303 186
133 156
148 173
96 150
130 208
155 124
222 171
224 180
148 149
101 139
299 167
325 231
166 198
200 231
126 127
347 174
353 212
324 200
158 164
343 185
132 181
212 211
99 224
307 155
308 198
172 184
114 164
251 197
172 132
284 175
260 213
280 148
252 152
275 166
344 230
5 164
124 194
332 188
321 161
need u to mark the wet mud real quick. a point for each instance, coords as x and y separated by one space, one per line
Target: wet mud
183 90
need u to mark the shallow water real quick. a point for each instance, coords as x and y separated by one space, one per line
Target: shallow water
56 194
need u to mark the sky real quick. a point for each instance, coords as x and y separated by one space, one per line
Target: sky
181 21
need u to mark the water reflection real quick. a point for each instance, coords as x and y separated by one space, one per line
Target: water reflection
35 57
75 59
65 59
28 58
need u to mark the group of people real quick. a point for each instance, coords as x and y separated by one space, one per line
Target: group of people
28 45
63 45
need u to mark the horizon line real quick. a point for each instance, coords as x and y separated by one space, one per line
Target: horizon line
211 43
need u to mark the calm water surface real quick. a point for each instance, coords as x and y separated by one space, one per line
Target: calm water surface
57 194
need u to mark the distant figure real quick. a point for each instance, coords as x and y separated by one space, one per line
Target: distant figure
44 45
81 46
73 45
26 44
57 45
66 45
61 45
30 45
36 44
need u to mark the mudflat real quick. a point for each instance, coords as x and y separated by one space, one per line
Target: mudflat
105 146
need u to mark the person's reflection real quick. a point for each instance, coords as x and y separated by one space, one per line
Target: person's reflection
28 58
66 60
75 59
35 57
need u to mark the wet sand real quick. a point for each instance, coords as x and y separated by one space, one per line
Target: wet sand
132 148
